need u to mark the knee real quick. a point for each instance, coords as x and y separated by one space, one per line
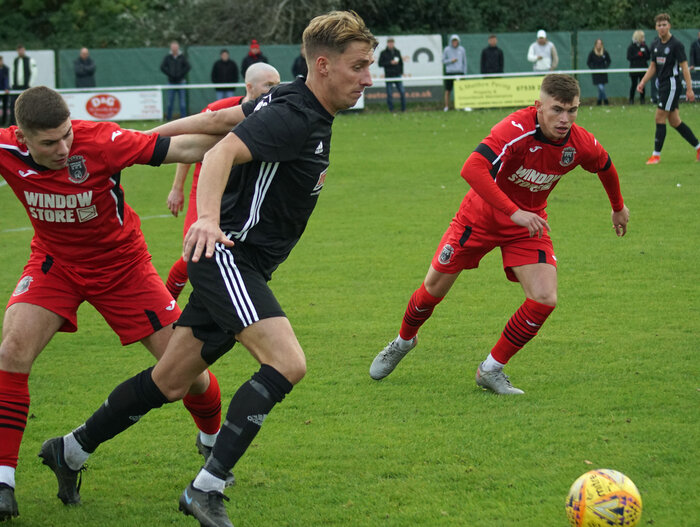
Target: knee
547 298
14 356
292 367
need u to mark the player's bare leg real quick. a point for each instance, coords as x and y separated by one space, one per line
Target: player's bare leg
539 283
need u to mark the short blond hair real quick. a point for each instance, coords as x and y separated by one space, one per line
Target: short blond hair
334 32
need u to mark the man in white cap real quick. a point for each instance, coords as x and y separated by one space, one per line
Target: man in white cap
543 53
454 57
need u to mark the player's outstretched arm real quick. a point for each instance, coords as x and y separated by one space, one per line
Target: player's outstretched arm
189 148
219 123
620 220
205 233
176 197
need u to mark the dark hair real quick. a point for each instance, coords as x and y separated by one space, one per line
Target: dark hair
563 88
40 108
662 17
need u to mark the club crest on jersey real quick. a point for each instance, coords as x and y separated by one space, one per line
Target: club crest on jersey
567 156
23 286
446 254
77 171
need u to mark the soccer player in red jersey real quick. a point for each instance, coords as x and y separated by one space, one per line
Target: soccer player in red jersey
87 246
511 173
259 78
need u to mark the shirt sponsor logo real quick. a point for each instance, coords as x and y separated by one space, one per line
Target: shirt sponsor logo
77 171
533 180
61 208
23 286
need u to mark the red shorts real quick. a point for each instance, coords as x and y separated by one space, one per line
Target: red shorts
463 247
129 295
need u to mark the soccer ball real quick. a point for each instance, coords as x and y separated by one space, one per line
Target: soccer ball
603 497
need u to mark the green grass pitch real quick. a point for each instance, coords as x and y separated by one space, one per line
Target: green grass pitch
611 381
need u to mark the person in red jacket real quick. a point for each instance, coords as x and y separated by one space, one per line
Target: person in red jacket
511 173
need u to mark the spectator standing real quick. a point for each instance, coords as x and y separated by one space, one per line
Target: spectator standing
638 57
224 71
4 92
454 57
694 62
254 55
599 59
299 67
492 57
175 66
390 59
84 70
543 53
24 72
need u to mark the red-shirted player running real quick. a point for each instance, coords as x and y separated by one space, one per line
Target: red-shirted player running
511 173
87 246
259 78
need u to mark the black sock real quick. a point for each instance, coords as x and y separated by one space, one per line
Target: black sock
246 413
660 137
687 134
124 407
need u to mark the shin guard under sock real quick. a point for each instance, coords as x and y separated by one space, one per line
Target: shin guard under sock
205 408
420 306
687 134
520 329
124 407
246 413
14 408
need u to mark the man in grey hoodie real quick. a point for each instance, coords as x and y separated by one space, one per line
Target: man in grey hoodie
454 57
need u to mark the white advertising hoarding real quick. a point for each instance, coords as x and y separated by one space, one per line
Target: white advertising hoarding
127 105
422 57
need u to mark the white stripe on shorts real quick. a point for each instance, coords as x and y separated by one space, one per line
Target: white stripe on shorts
671 94
235 286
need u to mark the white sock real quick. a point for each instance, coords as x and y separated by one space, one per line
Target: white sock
697 147
7 475
491 364
208 439
655 153
73 453
403 344
206 481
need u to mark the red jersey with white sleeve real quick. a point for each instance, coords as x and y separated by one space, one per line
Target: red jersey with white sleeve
525 166
78 212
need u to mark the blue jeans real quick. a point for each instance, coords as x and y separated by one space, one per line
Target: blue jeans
601 92
223 94
389 94
180 99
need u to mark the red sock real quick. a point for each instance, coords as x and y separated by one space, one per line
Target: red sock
419 309
206 407
520 329
14 407
177 278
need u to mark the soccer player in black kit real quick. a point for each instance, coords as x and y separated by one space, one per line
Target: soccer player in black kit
668 62
257 189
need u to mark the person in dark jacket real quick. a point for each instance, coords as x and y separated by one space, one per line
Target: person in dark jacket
84 68
694 60
599 59
224 71
638 57
4 92
299 67
24 75
390 59
175 66
254 55
492 57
